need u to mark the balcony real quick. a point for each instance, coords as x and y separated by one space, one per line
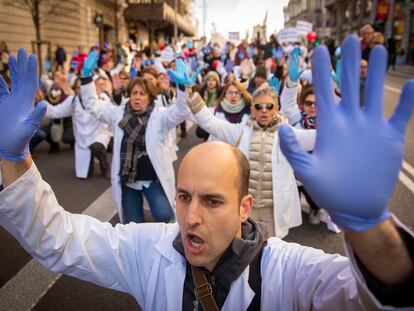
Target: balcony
160 14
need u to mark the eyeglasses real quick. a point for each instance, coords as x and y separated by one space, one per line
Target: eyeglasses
268 106
309 103
233 93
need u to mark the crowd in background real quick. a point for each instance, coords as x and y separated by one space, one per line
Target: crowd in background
227 77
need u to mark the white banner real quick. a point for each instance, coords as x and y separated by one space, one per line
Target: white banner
234 35
287 35
303 27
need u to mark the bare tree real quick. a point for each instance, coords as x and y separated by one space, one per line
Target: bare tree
40 10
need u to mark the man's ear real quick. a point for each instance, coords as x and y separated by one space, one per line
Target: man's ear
246 206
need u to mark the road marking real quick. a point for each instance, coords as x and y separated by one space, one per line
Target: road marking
32 282
406 181
408 168
392 89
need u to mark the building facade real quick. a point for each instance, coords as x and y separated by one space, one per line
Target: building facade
312 11
393 18
338 18
73 23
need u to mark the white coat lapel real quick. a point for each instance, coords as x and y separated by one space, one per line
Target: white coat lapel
174 276
241 295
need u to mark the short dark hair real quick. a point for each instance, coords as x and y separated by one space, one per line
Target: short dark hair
242 182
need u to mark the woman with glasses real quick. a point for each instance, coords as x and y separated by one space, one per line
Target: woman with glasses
272 182
234 105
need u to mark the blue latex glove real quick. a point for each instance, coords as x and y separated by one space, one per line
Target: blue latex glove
337 75
181 74
193 78
90 64
354 168
19 119
294 66
274 83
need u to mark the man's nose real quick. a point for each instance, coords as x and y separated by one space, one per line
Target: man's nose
194 213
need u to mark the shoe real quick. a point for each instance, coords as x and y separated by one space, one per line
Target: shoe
314 217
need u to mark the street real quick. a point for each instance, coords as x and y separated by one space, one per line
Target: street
24 287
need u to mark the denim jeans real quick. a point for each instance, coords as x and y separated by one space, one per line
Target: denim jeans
132 203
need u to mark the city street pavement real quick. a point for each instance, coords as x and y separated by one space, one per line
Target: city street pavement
66 293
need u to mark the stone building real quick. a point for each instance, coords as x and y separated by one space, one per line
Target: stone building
338 18
393 18
72 23
312 11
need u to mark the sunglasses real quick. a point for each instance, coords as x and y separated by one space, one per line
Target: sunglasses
268 106
309 103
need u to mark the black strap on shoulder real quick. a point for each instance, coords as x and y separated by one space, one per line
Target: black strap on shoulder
255 279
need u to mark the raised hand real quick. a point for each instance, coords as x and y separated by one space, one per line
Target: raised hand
181 74
19 119
90 64
274 82
294 66
354 168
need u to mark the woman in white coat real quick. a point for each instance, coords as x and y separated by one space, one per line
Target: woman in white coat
140 163
91 135
272 182
234 104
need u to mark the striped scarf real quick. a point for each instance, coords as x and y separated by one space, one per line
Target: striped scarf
134 124
308 122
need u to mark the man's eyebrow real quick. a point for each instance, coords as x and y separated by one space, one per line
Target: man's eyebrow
182 191
212 195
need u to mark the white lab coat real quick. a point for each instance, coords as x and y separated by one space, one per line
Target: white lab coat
87 130
160 101
161 121
286 202
221 116
140 259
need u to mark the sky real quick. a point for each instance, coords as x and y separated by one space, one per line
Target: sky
240 15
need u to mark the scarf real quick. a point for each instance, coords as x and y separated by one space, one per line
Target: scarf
308 122
210 96
272 125
134 124
227 107
234 117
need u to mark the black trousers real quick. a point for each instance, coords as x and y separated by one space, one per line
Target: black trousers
308 198
99 151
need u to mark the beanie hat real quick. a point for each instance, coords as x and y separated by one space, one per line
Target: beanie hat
214 75
261 72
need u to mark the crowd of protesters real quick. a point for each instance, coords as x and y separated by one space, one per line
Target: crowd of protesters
129 102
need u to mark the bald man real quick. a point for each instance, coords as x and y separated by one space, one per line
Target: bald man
214 233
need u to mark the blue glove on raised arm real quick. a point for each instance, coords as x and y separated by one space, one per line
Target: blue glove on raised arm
294 66
90 64
181 74
354 168
19 119
275 84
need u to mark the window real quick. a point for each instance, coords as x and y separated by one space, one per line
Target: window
368 6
